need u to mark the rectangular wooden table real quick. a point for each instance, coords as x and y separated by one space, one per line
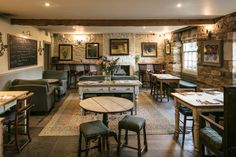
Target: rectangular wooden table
116 86
7 100
166 78
198 102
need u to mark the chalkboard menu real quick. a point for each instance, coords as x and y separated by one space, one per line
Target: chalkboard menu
22 51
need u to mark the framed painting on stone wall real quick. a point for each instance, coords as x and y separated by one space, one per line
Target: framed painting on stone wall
149 49
92 51
65 52
212 53
119 46
167 47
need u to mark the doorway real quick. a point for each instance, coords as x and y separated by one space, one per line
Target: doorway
47 55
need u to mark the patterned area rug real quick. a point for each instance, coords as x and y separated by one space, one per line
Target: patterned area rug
66 121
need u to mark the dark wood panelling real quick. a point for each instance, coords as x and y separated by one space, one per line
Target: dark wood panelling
112 22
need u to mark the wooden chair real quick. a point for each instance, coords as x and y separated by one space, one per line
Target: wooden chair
143 74
209 89
220 139
159 68
88 71
19 117
186 112
73 73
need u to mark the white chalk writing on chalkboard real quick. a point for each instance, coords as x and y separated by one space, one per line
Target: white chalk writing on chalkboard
22 52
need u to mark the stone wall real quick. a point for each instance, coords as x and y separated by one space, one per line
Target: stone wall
214 76
208 75
135 41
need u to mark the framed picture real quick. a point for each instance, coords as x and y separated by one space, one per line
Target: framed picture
167 47
212 53
119 46
92 51
149 49
65 52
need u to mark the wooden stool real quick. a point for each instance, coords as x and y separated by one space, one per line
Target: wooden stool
131 123
91 131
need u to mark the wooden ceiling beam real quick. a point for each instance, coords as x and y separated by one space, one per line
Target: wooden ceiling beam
118 22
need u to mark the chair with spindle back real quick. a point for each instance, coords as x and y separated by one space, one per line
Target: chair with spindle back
19 117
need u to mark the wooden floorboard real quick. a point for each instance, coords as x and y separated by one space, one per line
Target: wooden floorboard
61 146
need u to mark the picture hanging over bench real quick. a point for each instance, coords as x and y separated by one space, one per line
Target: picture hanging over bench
212 53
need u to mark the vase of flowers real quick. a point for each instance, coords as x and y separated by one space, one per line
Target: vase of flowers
109 67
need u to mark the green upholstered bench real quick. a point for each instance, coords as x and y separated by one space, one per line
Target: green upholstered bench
186 84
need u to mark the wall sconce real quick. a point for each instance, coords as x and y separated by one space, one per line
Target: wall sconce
209 29
79 39
2 46
40 49
26 33
167 37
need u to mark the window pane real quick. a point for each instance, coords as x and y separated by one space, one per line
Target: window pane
190 56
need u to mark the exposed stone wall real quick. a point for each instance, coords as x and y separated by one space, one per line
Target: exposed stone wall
135 41
213 76
208 76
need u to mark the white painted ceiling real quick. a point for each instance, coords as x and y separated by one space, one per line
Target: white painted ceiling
116 9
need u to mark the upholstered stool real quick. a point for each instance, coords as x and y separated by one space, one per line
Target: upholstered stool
132 123
92 131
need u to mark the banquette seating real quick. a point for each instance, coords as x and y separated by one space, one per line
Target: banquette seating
61 76
220 139
44 94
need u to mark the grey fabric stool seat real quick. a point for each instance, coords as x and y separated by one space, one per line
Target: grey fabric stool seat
92 131
135 124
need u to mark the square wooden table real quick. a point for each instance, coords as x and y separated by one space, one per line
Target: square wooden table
198 102
166 78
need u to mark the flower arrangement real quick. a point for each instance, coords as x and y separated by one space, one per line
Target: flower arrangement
109 66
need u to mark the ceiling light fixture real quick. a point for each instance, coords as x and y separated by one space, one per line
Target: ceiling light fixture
179 5
47 4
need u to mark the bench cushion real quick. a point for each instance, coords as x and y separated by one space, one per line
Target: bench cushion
93 129
186 84
132 123
212 137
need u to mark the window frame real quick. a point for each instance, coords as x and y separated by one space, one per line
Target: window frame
186 70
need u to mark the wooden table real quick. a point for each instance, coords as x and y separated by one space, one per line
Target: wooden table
117 86
7 100
198 102
166 78
106 105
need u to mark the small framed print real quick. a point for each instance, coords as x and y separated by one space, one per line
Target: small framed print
92 51
65 52
149 49
167 47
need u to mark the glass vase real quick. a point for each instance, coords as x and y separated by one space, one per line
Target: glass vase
108 76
